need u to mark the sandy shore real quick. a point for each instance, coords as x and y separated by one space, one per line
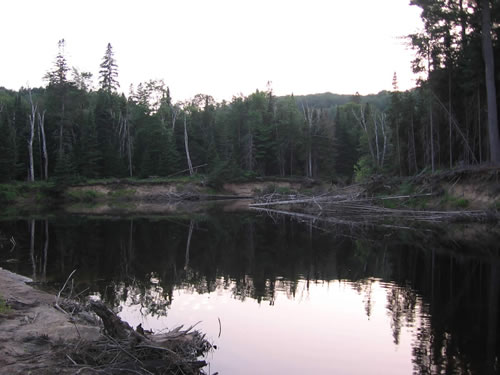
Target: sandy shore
33 325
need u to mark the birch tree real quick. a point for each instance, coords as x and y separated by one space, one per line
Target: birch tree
186 145
45 156
308 117
32 119
125 138
375 128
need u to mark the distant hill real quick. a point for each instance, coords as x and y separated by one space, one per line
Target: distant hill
329 100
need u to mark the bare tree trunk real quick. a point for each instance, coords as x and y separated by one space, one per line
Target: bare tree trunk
449 119
308 116
384 135
399 149
431 135
457 128
125 139
186 145
32 118
490 83
375 123
129 150
479 126
413 145
362 122
32 247
41 125
175 112
45 251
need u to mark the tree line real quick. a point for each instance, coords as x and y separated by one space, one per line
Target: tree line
69 129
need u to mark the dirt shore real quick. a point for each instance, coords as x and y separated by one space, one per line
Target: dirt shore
31 328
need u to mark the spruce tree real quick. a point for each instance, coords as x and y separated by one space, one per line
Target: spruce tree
109 71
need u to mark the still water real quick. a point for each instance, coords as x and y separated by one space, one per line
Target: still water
277 296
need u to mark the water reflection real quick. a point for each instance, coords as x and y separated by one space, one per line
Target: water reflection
287 293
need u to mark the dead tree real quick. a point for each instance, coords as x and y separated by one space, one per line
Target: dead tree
373 127
41 127
125 139
186 145
364 125
383 124
175 112
308 117
32 118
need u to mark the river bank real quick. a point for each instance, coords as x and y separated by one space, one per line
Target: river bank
41 333
458 189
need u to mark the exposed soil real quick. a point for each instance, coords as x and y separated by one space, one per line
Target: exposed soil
251 189
41 334
478 187
32 327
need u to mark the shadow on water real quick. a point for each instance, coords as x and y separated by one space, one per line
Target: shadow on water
446 277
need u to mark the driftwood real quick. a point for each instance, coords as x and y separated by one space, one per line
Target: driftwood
355 211
123 350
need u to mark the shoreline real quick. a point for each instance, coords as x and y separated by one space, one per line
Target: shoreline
41 333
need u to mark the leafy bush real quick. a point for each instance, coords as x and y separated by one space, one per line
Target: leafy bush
462 203
4 309
122 193
83 195
363 169
284 190
454 202
8 193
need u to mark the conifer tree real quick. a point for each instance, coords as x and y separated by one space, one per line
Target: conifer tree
108 73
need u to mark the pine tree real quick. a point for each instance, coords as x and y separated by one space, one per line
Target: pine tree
109 71
58 75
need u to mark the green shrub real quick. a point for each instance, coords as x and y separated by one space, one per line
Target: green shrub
8 193
462 203
83 195
122 193
363 169
390 203
454 202
4 308
283 190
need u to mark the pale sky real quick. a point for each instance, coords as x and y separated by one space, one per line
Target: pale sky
216 47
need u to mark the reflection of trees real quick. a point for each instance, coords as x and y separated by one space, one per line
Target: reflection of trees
148 294
364 287
401 304
450 296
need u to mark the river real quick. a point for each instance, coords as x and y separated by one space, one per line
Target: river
276 295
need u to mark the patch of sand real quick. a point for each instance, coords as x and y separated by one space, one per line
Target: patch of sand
33 324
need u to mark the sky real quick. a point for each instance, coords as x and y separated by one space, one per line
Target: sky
216 47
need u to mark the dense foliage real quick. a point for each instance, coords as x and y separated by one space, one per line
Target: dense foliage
69 129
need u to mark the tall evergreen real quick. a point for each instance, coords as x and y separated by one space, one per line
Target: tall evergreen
108 73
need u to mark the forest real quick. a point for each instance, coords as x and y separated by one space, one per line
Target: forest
75 129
